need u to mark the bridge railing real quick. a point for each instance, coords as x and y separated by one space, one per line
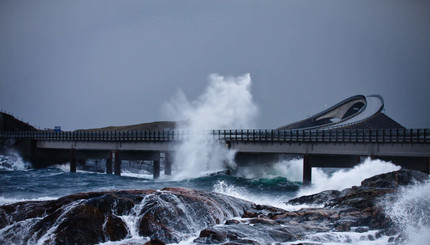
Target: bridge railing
244 135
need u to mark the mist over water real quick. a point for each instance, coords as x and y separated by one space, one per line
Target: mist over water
226 103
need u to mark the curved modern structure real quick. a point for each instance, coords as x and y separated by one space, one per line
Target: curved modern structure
351 112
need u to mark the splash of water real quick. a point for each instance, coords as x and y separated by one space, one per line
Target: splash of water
243 193
347 178
411 212
13 161
286 168
226 103
293 171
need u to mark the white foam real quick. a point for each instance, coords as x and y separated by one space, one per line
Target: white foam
226 103
411 212
63 167
291 169
346 178
335 238
138 175
262 199
13 161
8 200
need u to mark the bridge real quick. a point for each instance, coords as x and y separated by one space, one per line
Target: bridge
339 136
409 148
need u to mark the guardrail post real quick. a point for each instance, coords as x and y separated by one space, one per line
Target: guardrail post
410 135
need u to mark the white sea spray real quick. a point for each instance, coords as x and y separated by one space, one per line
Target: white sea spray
227 103
346 178
410 211
13 161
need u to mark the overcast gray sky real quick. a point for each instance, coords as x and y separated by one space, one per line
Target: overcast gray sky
84 64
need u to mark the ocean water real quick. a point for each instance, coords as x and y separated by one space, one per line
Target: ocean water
20 182
272 185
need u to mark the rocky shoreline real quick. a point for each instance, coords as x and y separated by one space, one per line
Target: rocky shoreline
172 215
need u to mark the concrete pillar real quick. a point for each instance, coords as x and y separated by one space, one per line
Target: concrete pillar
117 167
109 163
428 166
156 170
72 161
168 163
307 171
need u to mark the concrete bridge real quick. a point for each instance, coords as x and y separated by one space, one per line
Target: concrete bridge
409 148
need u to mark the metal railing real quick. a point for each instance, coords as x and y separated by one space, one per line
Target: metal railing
247 135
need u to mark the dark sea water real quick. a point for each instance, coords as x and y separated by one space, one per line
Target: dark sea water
55 182
272 185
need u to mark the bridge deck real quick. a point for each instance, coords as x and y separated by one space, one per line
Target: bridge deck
389 142
335 135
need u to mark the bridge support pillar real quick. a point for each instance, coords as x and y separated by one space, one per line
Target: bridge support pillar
117 167
72 161
307 171
109 163
168 164
428 166
156 170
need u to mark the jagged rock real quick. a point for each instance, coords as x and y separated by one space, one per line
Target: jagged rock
353 207
232 222
262 221
174 214
238 234
89 218
319 198
395 179
241 241
155 242
211 235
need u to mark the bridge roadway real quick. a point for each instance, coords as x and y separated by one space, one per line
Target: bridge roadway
409 148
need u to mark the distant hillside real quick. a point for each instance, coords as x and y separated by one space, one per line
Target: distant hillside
379 121
10 123
163 125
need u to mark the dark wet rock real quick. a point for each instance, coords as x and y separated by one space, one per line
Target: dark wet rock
262 221
84 218
317 199
232 222
188 211
395 179
211 235
241 241
240 233
155 242
89 218
174 214
355 209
